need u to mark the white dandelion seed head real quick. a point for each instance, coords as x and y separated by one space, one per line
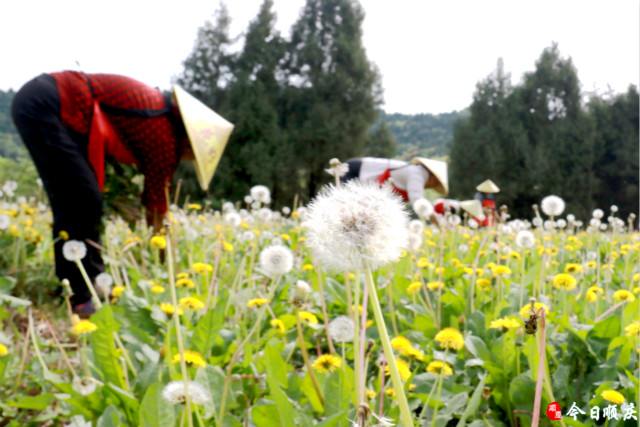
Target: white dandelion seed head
416 226
174 392
74 250
190 234
591 256
549 225
341 329
571 218
603 227
103 281
506 249
597 213
614 208
255 205
357 225
384 421
264 214
594 222
302 291
286 210
4 221
10 186
277 241
303 213
561 223
83 385
22 200
338 170
260 193
247 236
537 222
233 219
463 248
473 224
423 208
454 220
39 182
227 207
494 246
415 241
276 260
525 239
552 205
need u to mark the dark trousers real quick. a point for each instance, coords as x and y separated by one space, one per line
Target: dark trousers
354 170
60 155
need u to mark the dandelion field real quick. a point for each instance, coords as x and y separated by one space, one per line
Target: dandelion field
230 318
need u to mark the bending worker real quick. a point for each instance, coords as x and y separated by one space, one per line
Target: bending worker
70 121
408 180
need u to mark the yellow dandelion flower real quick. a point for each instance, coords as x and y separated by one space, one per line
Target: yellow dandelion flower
438 366
192 358
194 206
191 302
403 369
526 310
327 363
181 275
400 343
309 317
423 262
490 266
307 267
569 248
168 308
636 290
431 243
613 396
227 247
500 270
414 287
256 302
484 284
351 276
632 329
63 235
158 242
564 281
390 392
403 253
185 283
277 323
591 264
573 267
636 277
157 289
434 286
591 296
117 291
439 270
450 338
3 350
201 267
369 323
607 266
596 289
84 327
370 394
505 323
623 295
514 255
413 353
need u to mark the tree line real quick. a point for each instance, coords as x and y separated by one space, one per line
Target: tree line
543 136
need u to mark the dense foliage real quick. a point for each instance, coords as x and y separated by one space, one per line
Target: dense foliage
539 137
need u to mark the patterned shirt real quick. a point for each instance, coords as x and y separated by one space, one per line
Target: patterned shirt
155 140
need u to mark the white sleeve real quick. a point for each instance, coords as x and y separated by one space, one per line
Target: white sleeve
416 180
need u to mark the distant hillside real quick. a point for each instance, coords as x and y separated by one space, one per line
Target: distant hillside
10 144
425 135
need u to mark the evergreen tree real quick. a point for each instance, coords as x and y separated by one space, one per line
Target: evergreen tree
332 90
381 142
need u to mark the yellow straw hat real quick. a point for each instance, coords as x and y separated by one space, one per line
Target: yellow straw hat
488 187
208 133
473 208
439 170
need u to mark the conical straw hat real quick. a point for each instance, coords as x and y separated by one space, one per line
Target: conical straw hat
208 133
473 207
488 187
439 170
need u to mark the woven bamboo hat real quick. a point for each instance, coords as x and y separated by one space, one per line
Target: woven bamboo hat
473 208
439 170
488 187
208 134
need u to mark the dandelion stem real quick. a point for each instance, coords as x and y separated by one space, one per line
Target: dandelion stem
425 405
473 275
332 349
23 359
356 336
305 356
441 379
36 348
92 290
363 329
388 351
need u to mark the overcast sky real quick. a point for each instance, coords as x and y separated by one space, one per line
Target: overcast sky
431 53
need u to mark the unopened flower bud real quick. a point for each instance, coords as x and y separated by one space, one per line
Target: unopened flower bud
486 393
303 290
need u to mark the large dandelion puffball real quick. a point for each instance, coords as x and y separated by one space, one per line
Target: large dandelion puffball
261 193
552 205
356 226
276 260
74 250
341 329
423 208
525 239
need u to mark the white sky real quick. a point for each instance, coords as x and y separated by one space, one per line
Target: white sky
431 53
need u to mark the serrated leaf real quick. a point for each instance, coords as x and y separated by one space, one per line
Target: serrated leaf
154 410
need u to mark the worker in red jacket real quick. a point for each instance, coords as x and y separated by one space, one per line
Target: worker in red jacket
69 121
486 195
